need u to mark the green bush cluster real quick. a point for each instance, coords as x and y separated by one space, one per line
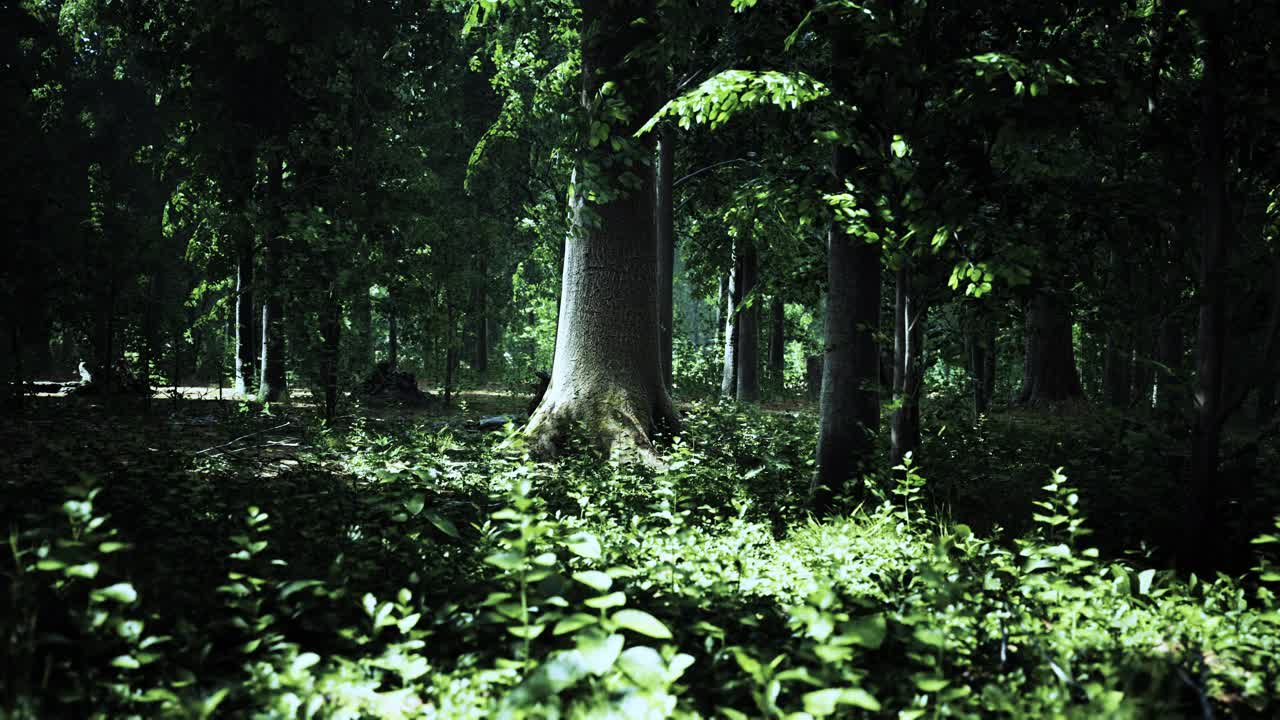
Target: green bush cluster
451 577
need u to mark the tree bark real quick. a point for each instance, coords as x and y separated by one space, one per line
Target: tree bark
777 339
1050 378
272 386
665 232
1202 527
607 373
244 316
850 402
908 367
748 353
729 373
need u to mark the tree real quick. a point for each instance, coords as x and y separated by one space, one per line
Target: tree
607 371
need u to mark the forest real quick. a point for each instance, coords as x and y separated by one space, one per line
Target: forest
632 359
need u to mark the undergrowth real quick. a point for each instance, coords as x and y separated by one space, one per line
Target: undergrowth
413 570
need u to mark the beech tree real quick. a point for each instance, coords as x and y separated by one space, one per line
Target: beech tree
607 372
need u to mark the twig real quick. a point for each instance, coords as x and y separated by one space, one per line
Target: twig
242 437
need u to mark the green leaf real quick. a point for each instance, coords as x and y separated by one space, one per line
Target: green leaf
443 524
594 579
415 504
641 622
613 599
644 666
584 544
1144 581
867 631
600 651
527 632
573 623
120 592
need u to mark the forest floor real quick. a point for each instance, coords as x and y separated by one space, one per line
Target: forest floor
717 549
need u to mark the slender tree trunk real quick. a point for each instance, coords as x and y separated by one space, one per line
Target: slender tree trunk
748 354
729 373
722 303
362 328
244 316
1143 371
482 320
1203 528
1050 378
272 384
666 250
1117 372
982 361
777 340
393 335
1170 350
330 352
850 403
450 354
908 367
607 374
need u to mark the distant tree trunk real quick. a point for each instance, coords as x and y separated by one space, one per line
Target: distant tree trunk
1117 372
1170 351
1202 526
722 303
908 367
777 339
813 376
748 354
330 338
393 334
244 316
450 354
362 328
850 404
607 372
272 385
666 249
1050 377
482 319
1143 371
981 343
729 373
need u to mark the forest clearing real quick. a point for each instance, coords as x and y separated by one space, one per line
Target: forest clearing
639 359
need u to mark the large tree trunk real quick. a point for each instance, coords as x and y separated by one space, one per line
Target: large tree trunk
777 340
1202 527
850 402
607 374
908 367
666 249
272 386
729 371
748 354
1050 378
244 316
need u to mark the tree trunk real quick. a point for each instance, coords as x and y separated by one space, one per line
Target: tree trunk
607 373
330 338
722 303
482 320
729 373
450 354
1117 369
1050 378
748 352
981 341
777 340
850 402
666 250
393 334
272 386
1266 411
908 367
19 377
1202 527
1143 371
362 327
244 316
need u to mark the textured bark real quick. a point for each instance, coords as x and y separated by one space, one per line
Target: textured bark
665 232
850 402
272 386
729 373
1202 525
1050 378
607 373
244 316
748 354
908 367
777 339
